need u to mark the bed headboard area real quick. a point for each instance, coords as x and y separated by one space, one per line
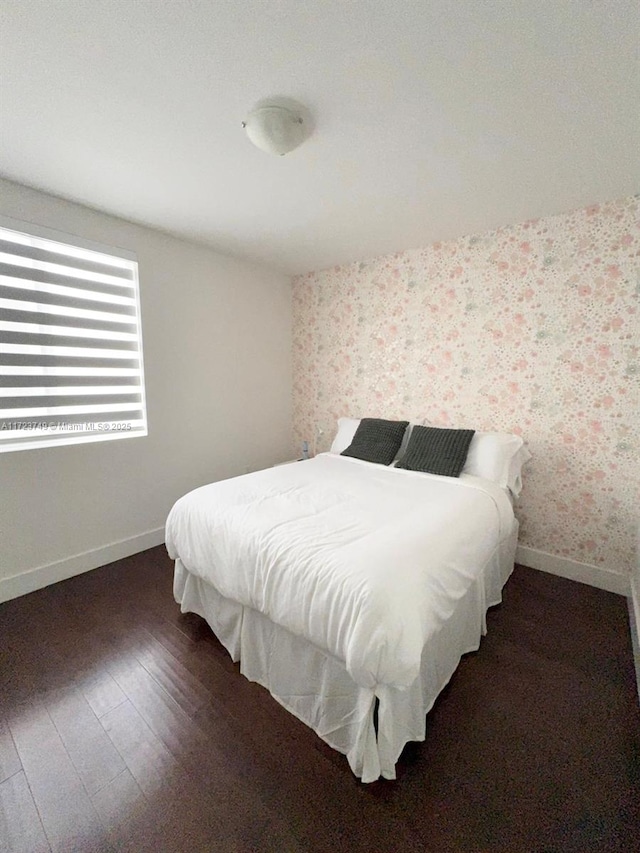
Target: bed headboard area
531 329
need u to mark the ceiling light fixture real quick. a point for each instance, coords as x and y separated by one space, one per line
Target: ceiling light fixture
276 129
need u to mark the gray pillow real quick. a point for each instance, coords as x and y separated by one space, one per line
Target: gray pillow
376 440
437 451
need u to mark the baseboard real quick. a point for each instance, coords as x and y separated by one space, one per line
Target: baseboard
634 623
62 569
573 570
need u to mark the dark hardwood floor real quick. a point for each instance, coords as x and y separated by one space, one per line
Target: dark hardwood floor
124 726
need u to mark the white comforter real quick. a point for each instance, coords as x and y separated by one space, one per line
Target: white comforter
364 561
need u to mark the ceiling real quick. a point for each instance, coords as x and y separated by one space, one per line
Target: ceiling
433 118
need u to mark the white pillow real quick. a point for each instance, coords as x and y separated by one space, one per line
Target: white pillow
499 457
515 470
346 430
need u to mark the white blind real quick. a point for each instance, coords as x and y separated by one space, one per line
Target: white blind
70 343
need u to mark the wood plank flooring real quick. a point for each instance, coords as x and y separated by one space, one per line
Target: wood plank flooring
124 726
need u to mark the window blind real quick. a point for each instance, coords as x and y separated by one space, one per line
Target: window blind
70 342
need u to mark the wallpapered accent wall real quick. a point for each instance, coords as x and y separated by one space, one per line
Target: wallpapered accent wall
533 328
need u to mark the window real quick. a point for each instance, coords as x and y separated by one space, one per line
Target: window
70 341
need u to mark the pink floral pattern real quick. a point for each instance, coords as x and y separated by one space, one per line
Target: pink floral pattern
533 329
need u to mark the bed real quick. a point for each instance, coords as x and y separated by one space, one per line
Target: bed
350 590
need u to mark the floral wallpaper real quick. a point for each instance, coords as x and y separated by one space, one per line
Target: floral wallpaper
533 329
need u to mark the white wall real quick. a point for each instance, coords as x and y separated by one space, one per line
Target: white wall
217 343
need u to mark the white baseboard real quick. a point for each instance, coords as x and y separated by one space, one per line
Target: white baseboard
573 570
634 622
62 569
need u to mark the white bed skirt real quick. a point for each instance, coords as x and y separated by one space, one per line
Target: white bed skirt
316 688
